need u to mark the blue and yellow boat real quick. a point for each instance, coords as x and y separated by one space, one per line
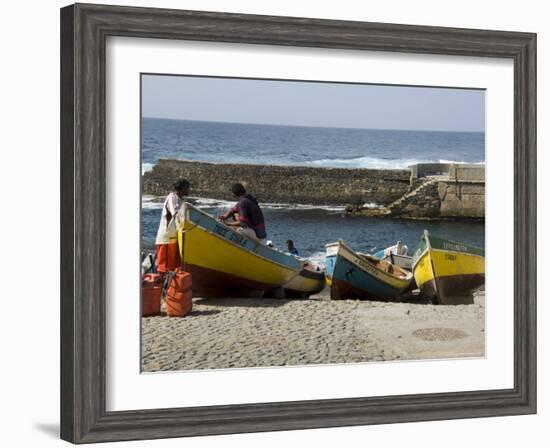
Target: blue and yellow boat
448 272
226 263
361 276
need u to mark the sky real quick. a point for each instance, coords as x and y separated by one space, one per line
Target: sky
364 106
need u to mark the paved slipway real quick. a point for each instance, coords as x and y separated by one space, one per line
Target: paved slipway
245 333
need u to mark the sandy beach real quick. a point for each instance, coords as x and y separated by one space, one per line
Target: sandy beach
243 333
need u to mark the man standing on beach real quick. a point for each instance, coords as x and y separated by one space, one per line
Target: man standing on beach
248 215
168 255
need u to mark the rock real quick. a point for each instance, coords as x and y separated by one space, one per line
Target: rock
281 184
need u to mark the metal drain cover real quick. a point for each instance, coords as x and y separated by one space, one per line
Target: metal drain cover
439 334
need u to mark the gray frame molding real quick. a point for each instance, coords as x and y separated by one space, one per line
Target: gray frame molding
84 29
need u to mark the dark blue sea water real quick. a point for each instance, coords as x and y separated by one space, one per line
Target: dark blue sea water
295 145
311 228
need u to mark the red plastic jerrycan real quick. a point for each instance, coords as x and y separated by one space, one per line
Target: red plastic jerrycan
179 296
151 291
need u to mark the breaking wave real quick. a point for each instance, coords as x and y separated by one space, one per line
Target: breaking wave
146 167
156 203
376 163
318 258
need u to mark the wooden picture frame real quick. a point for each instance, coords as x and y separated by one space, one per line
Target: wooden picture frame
84 29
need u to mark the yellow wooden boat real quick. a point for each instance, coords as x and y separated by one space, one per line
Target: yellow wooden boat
447 271
226 263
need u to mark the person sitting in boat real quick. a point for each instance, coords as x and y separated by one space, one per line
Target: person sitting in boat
168 255
291 249
247 215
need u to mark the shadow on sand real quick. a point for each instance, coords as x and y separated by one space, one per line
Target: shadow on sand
244 303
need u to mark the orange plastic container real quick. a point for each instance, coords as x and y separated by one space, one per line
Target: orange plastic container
179 296
151 291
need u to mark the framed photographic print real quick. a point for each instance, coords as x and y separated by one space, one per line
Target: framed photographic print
268 223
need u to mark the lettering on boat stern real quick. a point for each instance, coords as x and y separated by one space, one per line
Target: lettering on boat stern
231 236
454 246
366 266
439 334
239 239
220 230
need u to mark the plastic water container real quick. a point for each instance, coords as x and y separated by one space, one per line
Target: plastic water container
179 296
151 291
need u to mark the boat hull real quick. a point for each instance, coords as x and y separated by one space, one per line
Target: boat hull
306 283
331 256
354 278
448 272
225 263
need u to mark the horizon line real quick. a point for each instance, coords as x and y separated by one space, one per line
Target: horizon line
312 126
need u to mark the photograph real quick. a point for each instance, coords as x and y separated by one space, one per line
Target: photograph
275 220
297 222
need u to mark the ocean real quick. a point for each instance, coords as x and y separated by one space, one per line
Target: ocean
312 227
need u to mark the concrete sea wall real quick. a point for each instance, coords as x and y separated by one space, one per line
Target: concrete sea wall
463 195
448 191
281 184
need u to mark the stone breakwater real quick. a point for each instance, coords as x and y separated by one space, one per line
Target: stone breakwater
281 184
424 191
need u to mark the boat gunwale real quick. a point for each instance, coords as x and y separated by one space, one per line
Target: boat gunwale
188 205
470 248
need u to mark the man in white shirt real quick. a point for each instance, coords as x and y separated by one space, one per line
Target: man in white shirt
168 255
